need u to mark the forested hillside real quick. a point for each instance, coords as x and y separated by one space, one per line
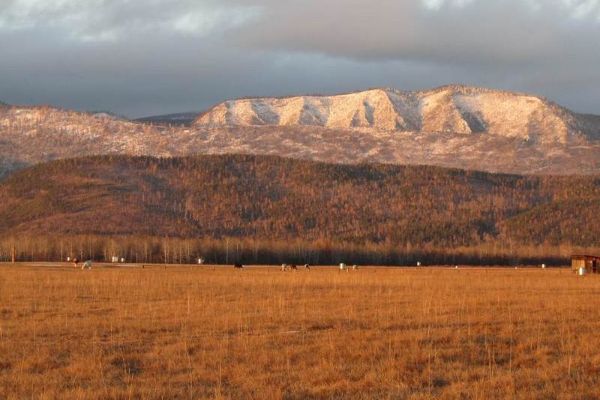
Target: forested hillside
275 202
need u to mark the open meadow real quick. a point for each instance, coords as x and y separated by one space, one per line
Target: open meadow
259 333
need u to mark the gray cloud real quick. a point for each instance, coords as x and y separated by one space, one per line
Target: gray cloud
158 56
463 32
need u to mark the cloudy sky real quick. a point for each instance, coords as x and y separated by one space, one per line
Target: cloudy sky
144 57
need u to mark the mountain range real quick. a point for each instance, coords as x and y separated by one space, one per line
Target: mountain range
451 126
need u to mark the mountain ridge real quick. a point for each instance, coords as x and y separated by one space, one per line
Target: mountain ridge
459 109
492 141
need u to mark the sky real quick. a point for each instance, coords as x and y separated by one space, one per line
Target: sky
148 57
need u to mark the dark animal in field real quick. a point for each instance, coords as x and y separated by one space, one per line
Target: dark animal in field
285 267
238 266
307 267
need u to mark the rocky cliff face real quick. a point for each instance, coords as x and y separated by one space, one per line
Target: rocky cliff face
450 109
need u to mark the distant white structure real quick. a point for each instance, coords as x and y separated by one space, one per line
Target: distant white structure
114 259
581 271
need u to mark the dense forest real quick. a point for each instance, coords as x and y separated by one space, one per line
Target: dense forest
262 209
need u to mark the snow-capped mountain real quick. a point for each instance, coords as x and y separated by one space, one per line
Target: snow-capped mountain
450 109
452 126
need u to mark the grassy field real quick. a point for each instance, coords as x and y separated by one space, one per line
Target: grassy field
204 332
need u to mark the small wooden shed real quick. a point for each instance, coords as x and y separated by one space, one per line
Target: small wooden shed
590 263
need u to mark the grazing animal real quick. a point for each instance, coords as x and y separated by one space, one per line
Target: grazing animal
307 267
289 267
87 264
238 266
355 267
285 267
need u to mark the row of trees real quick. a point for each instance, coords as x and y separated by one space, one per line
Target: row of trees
251 251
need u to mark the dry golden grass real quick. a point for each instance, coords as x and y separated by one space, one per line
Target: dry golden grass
195 332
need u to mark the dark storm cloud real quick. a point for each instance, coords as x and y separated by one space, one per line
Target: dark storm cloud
154 56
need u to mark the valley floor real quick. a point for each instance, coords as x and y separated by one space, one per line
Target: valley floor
205 332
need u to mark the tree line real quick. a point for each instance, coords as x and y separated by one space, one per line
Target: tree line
156 250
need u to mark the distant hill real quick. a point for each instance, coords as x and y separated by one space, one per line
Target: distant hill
271 198
592 122
183 119
107 115
30 135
